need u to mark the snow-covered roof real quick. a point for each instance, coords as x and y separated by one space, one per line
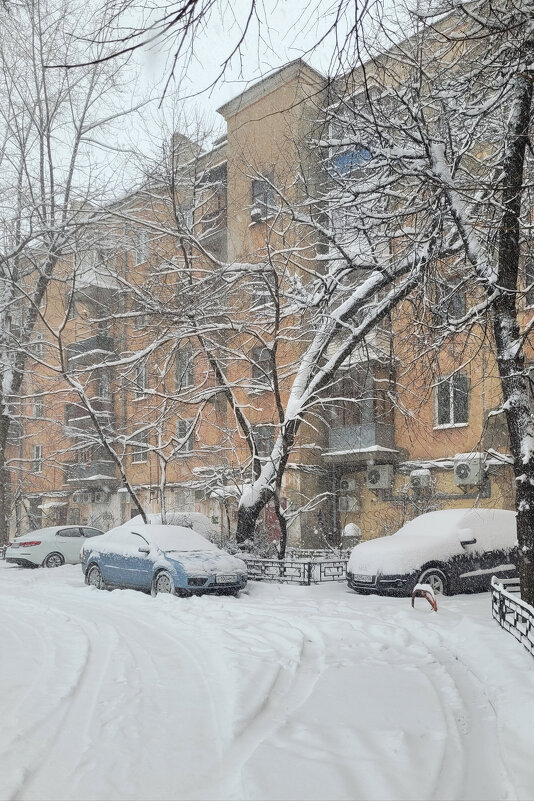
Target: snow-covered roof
169 538
370 449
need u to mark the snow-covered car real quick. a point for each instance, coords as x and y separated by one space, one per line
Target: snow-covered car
455 550
157 558
50 547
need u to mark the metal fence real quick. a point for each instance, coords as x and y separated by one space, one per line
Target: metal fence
513 614
296 571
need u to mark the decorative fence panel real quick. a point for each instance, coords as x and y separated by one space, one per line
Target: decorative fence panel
296 571
513 614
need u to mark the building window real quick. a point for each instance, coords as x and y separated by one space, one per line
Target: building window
141 381
263 287
35 513
185 369
450 303
104 387
452 400
140 317
37 461
264 439
38 345
38 407
347 162
185 433
262 197
261 365
214 211
141 253
140 449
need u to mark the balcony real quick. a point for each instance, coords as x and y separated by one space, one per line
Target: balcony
92 473
361 442
78 420
90 351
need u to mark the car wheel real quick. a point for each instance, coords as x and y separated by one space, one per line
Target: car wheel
162 583
436 578
54 560
93 578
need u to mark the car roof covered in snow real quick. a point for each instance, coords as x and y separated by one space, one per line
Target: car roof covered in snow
436 535
168 538
196 520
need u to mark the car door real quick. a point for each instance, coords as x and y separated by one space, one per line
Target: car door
68 542
124 565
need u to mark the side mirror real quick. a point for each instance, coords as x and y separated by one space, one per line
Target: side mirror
464 543
144 549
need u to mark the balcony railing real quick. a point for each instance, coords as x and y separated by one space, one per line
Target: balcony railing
93 472
92 350
367 435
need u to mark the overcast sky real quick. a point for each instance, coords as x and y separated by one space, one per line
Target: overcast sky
288 29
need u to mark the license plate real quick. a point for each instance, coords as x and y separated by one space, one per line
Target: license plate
363 579
226 579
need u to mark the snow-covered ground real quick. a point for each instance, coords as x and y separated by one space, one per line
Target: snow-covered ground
283 693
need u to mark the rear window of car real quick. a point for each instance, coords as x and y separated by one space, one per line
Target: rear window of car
69 532
91 532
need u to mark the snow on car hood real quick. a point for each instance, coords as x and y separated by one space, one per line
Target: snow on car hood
204 563
434 536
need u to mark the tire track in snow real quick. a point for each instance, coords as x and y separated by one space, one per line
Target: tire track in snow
368 745
136 671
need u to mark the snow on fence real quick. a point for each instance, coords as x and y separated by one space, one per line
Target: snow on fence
296 571
513 614
313 554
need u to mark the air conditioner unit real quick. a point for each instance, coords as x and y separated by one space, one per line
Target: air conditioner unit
379 476
468 469
347 503
347 485
420 479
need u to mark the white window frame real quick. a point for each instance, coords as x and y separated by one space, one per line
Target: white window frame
37 460
449 379
141 381
38 408
141 250
187 378
139 453
189 444
38 344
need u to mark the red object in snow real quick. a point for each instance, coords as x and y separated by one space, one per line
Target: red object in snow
425 591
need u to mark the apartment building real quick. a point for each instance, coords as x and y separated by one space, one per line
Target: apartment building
393 444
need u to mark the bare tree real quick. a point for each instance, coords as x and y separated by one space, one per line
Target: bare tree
50 126
444 118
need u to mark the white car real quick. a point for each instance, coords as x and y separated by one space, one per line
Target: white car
50 547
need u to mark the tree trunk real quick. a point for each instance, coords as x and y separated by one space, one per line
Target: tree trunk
4 482
282 522
247 517
510 354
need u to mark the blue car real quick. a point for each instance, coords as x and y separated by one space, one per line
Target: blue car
158 558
